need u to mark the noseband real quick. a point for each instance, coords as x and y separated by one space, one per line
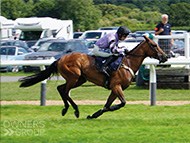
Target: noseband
155 48
158 55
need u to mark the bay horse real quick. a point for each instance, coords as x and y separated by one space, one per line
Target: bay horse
77 68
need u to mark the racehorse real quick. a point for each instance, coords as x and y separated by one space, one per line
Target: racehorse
77 68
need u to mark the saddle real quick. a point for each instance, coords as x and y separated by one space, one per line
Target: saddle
114 66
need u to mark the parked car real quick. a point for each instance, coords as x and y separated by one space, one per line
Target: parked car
19 43
108 28
141 33
38 43
131 42
90 45
179 31
95 34
12 53
31 43
77 35
178 47
55 49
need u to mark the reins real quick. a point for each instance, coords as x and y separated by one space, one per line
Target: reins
149 43
135 54
138 55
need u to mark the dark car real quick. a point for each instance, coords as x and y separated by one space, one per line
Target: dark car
38 43
31 43
90 45
77 35
19 43
55 49
178 47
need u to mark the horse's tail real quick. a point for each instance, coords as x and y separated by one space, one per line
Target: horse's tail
31 80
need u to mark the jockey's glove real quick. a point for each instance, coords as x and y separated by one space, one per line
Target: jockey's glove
126 51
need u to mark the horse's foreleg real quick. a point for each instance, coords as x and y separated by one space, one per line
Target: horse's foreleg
119 93
116 92
61 90
110 100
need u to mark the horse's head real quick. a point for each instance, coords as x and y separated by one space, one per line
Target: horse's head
155 51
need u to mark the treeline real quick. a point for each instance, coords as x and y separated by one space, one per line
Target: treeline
92 14
144 5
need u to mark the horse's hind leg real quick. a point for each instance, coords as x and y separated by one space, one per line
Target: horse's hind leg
61 90
79 82
66 98
64 92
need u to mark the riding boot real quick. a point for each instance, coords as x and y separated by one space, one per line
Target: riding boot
108 62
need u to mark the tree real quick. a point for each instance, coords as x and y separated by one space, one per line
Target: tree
84 14
115 11
13 9
179 14
29 7
44 9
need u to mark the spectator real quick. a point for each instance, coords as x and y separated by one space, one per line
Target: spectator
164 28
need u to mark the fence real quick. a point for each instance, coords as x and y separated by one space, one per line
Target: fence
152 62
177 36
186 61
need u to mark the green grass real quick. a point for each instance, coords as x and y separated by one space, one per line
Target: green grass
131 124
10 91
21 73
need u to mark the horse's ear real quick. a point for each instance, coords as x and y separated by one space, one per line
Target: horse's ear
147 39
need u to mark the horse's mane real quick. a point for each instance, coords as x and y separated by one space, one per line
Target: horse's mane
136 46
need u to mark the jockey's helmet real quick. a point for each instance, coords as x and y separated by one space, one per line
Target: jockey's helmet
123 31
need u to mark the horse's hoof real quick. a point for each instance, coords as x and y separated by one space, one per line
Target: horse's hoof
64 111
76 114
89 117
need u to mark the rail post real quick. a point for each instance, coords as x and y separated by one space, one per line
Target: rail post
152 85
43 89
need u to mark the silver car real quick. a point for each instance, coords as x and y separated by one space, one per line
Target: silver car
12 53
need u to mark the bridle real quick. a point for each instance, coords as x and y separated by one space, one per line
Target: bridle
154 48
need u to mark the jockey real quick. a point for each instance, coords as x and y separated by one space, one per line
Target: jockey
107 47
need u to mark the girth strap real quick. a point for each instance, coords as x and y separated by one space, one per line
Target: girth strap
128 68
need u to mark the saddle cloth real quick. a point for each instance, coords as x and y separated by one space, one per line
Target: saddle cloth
99 61
115 65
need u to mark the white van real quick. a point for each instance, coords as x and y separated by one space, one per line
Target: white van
95 34
6 28
34 28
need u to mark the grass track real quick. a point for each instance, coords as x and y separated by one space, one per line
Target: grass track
11 91
131 124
